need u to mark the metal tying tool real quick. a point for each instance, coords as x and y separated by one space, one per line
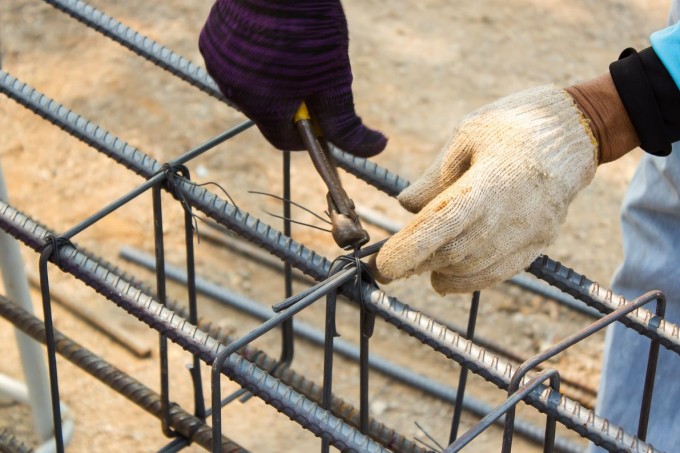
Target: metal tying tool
346 226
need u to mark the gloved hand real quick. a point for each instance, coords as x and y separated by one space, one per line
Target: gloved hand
268 56
497 193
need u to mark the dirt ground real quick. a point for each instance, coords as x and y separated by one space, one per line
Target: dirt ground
419 66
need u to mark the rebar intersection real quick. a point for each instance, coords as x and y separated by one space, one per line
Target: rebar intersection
186 334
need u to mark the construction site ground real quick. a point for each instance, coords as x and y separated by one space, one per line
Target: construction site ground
419 67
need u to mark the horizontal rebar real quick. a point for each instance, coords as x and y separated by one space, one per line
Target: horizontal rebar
256 231
643 321
524 282
140 44
184 423
377 430
241 222
145 308
428 331
183 68
581 392
344 348
495 370
642 327
10 444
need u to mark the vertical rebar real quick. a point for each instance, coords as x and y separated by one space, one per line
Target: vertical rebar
650 374
160 291
195 369
48 250
288 336
462 380
366 325
330 335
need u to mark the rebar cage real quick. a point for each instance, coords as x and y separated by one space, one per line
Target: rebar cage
312 406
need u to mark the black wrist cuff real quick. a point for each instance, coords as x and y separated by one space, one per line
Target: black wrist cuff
651 98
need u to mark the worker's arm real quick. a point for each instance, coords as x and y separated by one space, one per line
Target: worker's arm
495 197
269 56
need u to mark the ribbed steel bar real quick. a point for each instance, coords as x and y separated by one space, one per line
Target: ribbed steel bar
228 215
275 242
428 331
10 444
498 412
183 68
495 370
642 320
330 286
462 378
184 423
316 336
145 308
140 44
565 343
523 281
263 235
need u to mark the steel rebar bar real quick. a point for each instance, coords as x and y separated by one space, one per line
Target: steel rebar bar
186 424
183 68
344 348
145 308
249 227
498 412
427 330
259 233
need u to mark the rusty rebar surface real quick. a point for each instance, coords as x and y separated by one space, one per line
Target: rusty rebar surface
427 330
183 422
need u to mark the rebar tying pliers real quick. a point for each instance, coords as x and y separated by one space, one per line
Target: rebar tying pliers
346 226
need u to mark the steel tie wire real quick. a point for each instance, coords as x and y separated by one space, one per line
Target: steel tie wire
72 2
274 241
127 150
427 330
218 364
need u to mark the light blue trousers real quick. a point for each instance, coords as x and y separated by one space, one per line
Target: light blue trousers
651 241
651 231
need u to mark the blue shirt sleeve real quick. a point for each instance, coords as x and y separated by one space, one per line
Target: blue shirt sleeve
666 44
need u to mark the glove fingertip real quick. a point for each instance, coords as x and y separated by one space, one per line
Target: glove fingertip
396 259
412 198
375 271
334 111
445 284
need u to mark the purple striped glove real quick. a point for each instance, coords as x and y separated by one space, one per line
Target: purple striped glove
268 56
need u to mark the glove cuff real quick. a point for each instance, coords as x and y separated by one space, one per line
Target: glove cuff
606 116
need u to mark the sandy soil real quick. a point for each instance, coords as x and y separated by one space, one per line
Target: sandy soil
419 67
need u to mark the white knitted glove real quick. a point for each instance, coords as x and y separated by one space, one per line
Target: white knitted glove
497 193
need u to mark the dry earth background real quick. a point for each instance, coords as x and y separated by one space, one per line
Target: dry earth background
419 67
